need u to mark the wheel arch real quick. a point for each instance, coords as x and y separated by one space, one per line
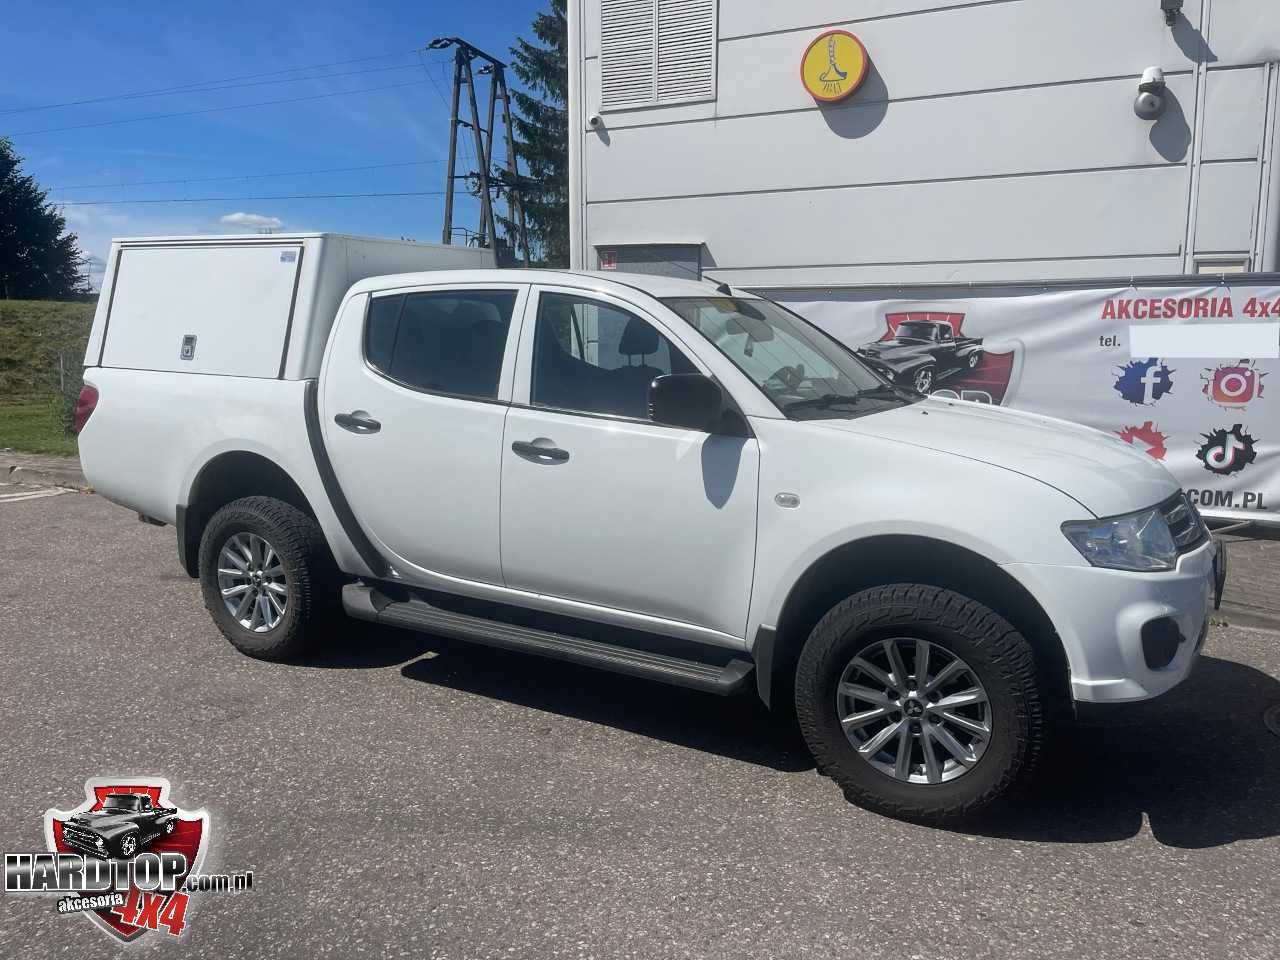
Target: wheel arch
229 476
883 559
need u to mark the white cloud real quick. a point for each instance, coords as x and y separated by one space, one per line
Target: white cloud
257 221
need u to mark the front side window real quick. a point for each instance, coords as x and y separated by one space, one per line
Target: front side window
591 357
446 342
803 371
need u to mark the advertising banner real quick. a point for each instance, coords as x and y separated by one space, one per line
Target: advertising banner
1182 373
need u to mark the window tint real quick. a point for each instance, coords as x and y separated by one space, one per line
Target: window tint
443 342
592 357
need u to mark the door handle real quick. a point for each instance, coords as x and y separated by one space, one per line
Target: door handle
357 421
540 450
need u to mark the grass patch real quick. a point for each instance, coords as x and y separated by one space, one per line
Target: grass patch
34 428
32 335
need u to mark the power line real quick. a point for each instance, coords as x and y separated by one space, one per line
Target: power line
293 196
196 87
244 176
206 110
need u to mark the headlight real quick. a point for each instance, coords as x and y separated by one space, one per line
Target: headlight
1139 541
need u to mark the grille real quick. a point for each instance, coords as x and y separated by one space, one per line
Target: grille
1184 522
79 837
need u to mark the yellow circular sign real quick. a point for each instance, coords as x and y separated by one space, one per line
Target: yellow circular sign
834 66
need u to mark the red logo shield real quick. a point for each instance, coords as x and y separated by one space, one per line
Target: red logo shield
188 836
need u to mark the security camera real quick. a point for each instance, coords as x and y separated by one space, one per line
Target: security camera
1151 94
594 121
1171 10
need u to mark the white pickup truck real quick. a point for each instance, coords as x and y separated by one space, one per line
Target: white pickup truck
661 477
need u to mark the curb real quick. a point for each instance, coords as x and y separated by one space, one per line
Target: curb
71 479
1239 617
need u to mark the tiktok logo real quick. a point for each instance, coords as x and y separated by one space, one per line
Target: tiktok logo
1227 451
1144 381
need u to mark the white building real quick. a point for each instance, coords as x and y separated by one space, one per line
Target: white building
990 142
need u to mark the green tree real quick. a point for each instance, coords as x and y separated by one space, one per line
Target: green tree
542 135
39 259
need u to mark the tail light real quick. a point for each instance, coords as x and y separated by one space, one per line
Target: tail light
85 405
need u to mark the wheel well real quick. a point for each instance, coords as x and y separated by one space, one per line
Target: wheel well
227 477
909 559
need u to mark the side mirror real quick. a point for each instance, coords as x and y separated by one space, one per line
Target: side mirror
687 400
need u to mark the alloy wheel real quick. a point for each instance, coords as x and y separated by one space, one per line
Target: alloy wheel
252 581
924 380
914 710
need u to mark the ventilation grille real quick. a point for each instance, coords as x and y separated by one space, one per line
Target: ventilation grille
686 49
656 51
628 36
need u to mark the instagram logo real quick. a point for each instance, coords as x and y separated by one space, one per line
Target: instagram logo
1233 385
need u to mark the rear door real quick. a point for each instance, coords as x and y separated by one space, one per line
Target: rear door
414 392
602 506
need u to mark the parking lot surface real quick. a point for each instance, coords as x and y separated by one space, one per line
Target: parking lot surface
399 795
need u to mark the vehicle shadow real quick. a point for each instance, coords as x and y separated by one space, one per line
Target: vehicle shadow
739 727
1198 763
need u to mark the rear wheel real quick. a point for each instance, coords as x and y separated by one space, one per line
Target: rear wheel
266 573
919 702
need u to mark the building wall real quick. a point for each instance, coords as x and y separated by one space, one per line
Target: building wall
992 141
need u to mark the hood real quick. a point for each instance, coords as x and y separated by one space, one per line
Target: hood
102 820
1104 474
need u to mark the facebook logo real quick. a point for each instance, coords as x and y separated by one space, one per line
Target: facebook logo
1144 381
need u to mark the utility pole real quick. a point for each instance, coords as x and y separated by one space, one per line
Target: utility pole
482 137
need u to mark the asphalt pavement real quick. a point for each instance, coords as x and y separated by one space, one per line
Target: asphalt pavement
399 795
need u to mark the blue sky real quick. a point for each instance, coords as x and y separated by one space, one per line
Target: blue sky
56 52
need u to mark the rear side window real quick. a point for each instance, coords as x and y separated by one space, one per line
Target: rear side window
446 342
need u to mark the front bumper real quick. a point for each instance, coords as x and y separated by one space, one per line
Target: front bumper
1100 615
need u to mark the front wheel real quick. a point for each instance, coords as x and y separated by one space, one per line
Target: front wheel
919 703
923 379
264 573
127 846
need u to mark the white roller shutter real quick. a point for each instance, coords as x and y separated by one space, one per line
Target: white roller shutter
656 51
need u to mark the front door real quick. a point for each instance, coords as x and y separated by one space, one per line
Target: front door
413 396
603 507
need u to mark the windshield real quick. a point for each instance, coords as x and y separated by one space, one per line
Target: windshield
805 372
118 801
914 330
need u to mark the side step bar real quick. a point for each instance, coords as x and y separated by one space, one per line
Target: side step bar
366 603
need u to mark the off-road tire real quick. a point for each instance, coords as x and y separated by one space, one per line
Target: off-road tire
309 570
1000 656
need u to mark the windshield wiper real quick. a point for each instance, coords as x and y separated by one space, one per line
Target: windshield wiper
822 402
885 391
